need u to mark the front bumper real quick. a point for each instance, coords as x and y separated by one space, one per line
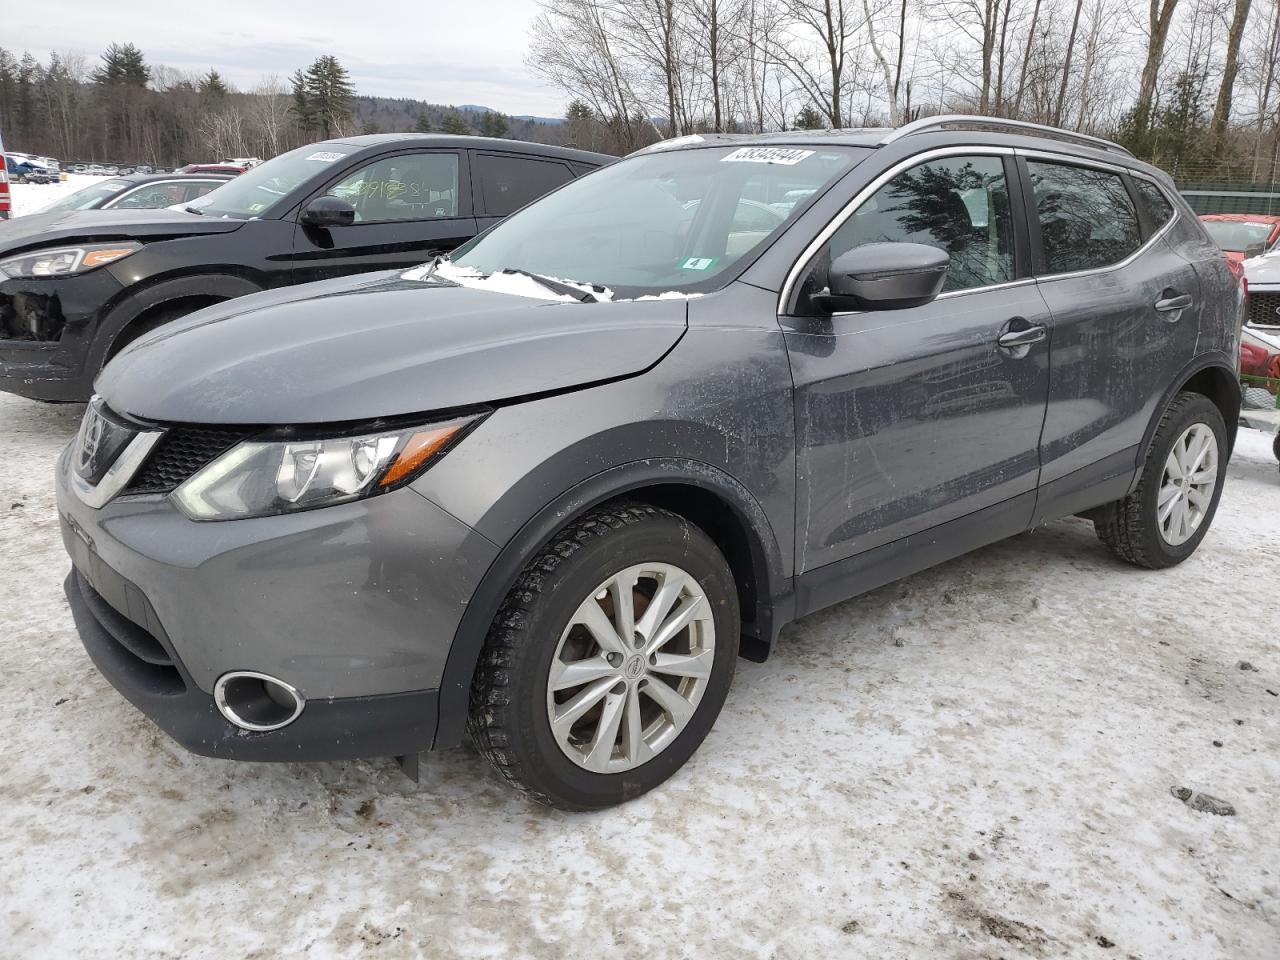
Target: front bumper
337 729
355 606
48 328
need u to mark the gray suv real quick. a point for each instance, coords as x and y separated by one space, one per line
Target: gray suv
548 489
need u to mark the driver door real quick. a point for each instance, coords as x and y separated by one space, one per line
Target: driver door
410 207
909 418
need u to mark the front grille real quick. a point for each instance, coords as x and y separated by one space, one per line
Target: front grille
150 664
180 453
1263 309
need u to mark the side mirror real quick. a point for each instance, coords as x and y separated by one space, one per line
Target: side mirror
884 276
1257 250
328 212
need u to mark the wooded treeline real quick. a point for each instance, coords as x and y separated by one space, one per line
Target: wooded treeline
122 109
1189 82
1192 84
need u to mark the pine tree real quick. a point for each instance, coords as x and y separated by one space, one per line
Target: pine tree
370 127
8 88
455 123
809 119
423 125
328 95
301 107
29 79
122 65
212 84
493 125
578 111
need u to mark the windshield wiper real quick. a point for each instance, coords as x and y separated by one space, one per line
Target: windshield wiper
555 286
196 210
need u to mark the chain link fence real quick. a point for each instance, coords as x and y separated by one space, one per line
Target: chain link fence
1246 186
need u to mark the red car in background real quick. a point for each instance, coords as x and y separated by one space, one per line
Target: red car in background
1243 235
231 168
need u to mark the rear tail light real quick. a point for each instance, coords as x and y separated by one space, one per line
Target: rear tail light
1237 270
5 207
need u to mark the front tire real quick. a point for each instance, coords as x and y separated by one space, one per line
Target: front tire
609 660
1166 516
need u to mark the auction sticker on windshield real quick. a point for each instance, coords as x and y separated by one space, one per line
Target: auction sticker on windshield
783 155
324 156
698 263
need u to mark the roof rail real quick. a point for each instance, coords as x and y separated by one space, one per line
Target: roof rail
957 121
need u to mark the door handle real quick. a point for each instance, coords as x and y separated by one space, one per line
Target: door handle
1022 338
1170 304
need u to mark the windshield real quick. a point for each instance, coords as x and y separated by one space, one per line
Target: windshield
659 222
259 189
1239 236
88 198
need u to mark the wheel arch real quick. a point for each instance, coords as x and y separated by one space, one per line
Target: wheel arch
156 296
1212 376
703 494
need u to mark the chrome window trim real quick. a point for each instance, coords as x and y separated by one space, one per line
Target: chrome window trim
861 197
1052 157
120 472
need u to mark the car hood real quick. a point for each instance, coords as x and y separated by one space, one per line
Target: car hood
1263 270
47 229
379 346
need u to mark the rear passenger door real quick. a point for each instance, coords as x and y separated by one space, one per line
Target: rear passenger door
908 419
1124 307
505 182
410 206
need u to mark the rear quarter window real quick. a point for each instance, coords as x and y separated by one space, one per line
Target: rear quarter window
1158 208
1087 218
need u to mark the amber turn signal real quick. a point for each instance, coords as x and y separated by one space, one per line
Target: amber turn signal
96 258
422 446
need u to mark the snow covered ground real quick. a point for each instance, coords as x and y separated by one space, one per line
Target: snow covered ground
32 197
975 762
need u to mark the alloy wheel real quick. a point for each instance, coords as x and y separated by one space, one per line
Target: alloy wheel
631 667
1186 489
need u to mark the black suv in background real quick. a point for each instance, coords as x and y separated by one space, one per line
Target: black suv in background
76 287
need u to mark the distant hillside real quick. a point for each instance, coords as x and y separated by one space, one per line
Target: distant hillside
531 118
398 114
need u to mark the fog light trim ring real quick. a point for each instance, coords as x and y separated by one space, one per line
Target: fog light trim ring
229 712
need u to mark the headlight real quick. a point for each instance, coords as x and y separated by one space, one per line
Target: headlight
65 260
260 478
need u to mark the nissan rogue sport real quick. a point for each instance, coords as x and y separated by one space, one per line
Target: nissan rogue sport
547 489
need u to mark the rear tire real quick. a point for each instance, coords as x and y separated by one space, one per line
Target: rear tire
1166 516
565 706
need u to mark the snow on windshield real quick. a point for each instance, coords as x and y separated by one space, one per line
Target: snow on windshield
520 285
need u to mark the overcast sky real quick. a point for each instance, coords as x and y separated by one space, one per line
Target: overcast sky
443 51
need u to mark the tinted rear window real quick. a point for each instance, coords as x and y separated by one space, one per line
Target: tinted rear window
507 183
1087 219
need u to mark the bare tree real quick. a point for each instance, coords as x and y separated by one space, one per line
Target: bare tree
1066 66
816 51
1230 68
1159 17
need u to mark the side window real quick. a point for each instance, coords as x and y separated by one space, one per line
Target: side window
149 197
1152 197
508 183
1087 219
959 204
409 186
200 189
